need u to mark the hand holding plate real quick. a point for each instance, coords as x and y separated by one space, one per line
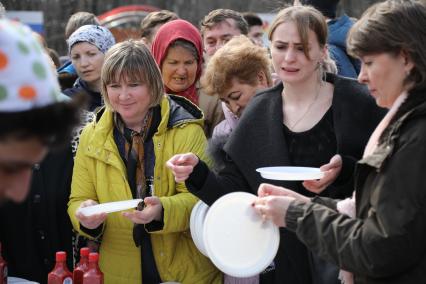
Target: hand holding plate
273 207
151 212
92 221
331 172
266 189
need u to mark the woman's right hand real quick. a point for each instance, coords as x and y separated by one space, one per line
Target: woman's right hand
182 165
92 221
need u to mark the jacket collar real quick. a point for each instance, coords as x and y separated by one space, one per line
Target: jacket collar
414 106
175 111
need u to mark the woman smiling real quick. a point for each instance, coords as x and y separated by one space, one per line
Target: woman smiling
122 156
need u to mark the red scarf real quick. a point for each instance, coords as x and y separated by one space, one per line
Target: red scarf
169 33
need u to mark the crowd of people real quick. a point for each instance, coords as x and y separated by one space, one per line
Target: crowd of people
185 114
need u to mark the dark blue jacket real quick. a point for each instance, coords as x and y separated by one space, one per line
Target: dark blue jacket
337 33
80 86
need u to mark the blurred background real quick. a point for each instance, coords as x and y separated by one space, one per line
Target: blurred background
49 17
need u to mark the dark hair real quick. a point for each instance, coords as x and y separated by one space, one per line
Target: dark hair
154 19
54 56
326 7
393 26
252 19
52 124
220 15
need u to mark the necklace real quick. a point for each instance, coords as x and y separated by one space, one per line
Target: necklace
306 111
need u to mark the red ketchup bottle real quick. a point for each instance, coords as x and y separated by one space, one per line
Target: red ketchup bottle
60 273
94 275
3 269
82 266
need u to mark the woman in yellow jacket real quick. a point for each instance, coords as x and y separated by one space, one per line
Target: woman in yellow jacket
122 156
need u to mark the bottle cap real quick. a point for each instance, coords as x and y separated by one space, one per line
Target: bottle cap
84 251
61 256
93 257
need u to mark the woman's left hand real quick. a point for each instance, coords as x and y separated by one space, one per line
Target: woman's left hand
331 172
151 212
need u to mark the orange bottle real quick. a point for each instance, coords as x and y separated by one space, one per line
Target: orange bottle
60 273
3 269
94 275
82 266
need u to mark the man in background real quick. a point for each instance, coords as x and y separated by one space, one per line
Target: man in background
255 24
152 22
338 28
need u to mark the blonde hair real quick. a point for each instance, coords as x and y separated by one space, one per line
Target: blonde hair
133 60
238 59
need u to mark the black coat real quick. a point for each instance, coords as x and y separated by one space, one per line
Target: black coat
258 141
33 231
385 243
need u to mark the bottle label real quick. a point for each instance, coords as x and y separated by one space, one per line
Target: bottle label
67 280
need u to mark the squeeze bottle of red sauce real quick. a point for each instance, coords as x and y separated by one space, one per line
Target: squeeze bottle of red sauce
82 266
60 273
94 275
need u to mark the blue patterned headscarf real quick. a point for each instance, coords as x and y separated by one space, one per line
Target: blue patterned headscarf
99 36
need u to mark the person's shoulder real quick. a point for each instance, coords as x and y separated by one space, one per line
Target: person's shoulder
349 92
266 94
180 110
346 85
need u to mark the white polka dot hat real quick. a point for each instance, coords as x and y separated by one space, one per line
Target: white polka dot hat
27 80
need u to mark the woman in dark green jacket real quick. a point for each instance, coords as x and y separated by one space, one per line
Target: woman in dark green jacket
384 241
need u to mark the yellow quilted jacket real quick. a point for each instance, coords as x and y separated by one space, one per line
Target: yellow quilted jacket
100 175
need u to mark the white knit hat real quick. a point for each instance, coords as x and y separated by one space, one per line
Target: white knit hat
27 79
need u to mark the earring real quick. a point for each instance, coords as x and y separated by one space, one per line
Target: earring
321 72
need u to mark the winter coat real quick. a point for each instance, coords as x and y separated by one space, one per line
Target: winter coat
259 141
94 98
33 231
338 29
100 174
385 243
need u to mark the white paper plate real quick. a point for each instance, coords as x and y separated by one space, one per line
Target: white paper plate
290 173
16 280
196 223
110 207
236 238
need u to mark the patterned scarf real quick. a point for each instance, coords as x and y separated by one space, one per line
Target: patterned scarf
134 150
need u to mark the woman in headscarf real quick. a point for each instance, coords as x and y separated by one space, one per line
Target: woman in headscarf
87 47
178 51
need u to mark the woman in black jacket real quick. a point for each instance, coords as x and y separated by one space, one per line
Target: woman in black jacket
304 121
383 241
